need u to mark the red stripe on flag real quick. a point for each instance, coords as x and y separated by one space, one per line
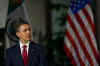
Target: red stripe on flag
75 47
89 47
89 20
79 20
80 41
69 55
92 27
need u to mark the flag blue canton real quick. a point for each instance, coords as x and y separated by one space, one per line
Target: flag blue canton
76 5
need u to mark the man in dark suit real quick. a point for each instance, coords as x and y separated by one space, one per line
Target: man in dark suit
24 52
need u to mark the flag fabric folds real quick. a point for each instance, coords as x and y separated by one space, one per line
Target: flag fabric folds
80 42
17 9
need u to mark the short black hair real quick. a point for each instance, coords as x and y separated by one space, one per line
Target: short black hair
16 23
12 27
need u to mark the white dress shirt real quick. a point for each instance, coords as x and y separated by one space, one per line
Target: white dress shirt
21 46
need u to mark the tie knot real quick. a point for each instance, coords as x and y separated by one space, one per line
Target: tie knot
24 46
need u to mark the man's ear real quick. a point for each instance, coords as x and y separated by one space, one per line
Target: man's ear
17 34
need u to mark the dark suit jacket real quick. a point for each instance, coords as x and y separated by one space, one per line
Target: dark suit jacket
36 56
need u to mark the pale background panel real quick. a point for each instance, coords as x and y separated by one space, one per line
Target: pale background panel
3 12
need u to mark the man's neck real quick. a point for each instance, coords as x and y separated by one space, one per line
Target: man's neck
23 41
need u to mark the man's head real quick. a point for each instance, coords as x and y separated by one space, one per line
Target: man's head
22 29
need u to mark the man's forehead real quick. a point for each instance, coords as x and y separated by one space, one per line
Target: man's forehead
24 26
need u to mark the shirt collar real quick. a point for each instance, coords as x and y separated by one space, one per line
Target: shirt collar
21 44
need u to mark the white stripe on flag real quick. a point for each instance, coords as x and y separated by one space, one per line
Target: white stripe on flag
83 38
87 25
83 58
88 9
90 33
80 34
69 45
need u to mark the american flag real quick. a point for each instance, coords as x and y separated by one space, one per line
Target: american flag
80 41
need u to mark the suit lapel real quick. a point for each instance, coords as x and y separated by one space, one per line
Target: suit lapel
19 56
32 55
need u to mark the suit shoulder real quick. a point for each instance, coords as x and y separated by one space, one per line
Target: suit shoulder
37 45
11 48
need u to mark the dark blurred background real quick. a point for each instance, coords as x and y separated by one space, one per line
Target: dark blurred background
47 19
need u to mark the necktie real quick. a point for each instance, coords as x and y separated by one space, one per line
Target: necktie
24 55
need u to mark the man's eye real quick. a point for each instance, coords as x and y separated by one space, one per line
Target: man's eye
25 30
29 29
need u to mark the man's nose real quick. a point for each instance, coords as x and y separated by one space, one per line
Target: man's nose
28 31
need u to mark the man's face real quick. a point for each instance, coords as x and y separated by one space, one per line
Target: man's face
24 33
